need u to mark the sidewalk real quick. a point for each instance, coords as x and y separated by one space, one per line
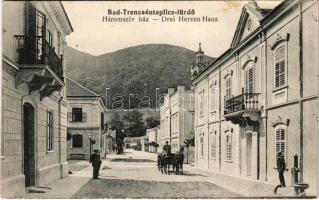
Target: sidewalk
246 187
65 188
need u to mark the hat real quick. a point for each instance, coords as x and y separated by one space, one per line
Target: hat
96 151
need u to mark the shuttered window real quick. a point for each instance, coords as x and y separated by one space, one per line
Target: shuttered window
201 103
213 145
77 115
280 141
212 98
280 66
228 146
228 87
249 79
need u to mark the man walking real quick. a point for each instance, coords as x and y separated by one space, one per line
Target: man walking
281 167
95 159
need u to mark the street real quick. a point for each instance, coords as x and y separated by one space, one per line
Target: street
135 175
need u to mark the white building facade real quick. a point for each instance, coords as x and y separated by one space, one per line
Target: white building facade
85 122
259 98
34 107
177 117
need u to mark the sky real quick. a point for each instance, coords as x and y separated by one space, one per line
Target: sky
93 36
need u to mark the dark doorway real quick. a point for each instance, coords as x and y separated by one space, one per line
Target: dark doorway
29 151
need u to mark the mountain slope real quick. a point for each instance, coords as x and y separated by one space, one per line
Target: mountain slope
133 70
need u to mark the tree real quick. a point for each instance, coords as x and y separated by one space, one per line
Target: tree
134 124
152 122
116 122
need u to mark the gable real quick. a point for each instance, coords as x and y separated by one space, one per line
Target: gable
248 22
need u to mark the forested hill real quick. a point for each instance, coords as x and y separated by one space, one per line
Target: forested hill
133 70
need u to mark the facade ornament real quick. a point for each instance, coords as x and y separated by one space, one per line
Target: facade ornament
279 39
280 120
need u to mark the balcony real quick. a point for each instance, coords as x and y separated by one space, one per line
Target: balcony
37 51
243 109
41 68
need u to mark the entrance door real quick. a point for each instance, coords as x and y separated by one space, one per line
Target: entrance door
29 157
248 154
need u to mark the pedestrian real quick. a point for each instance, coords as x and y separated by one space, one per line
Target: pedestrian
281 167
181 149
95 159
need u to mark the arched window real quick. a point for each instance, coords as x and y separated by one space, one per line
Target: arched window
280 140
249 77
280 65
77 141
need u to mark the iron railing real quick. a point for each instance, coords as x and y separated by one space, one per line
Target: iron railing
37 51
245 101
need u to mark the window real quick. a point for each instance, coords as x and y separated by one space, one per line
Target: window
50 38
212 98
77 141
201 103
213 145
77 115
281 141
40 31
228 87
49 131
249 79
102 121
228 146
201 145
280 66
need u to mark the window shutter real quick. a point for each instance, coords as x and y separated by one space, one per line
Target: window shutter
280 66
69 117
249 80
84 117
281 141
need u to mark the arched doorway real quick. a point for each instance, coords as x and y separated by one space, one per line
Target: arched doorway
29 144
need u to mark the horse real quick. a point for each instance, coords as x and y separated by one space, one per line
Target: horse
178 163
164 161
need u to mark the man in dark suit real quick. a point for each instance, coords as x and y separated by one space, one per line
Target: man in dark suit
167 148
95 159
281 167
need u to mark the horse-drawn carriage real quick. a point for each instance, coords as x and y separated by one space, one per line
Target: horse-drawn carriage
165 160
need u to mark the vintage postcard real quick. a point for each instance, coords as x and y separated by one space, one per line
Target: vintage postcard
159 99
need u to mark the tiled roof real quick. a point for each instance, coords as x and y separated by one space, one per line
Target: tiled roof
74 89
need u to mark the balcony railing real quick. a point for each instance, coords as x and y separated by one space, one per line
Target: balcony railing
243 102
37 51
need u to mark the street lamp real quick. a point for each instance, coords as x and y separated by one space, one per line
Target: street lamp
90 139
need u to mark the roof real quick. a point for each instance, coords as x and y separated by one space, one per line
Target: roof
260 13
74 89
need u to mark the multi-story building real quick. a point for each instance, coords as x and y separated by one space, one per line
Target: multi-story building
33 135
85 121
177 117
259 97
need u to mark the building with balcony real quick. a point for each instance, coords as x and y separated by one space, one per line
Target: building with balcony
177 117
86 126
259 97
33 135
